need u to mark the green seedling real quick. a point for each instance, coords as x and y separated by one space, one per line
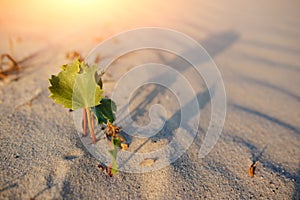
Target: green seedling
79 86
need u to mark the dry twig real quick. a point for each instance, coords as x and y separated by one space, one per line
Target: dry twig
252 168
8 65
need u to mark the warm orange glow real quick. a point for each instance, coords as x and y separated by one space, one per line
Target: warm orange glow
56 17
57 11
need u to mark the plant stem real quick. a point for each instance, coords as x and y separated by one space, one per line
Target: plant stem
92 116
90 125
84 121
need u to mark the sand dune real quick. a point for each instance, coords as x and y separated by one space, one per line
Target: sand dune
256 47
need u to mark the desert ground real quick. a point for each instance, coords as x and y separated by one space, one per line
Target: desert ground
256 47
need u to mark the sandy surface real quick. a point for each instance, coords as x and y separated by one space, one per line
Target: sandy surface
256 47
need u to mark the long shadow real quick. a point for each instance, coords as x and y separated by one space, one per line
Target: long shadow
270 86
203 98
272 46
10 186
49 185
256 154
32 56
217 43
37 58
174 122
267 117
272 166
272 63
66 191
296 194
214 45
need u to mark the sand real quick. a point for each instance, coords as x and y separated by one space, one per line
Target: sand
256 47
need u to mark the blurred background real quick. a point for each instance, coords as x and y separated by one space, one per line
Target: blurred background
256 46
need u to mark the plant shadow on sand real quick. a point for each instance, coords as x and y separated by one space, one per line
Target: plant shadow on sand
24 66
214 45
265 84
258 154
271 165
267 117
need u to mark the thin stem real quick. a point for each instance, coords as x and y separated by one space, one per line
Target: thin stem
15 66
84 122
92 118
90 125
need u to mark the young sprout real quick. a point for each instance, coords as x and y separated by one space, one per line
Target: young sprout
79 86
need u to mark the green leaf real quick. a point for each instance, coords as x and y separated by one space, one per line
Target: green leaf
75 86
105 112
113 153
